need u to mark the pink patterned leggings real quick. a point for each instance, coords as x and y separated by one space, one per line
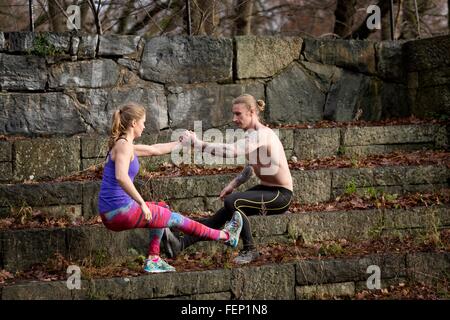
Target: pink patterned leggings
132 217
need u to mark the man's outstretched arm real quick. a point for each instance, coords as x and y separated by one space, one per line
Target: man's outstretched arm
231 150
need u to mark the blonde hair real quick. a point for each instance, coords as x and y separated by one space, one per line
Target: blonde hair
250 102
122 120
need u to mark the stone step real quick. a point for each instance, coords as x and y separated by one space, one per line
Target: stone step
20 249
43 158
300 279
200 193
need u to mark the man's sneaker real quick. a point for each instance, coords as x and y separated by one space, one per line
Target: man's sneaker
233 228
246 256
157 266
171 244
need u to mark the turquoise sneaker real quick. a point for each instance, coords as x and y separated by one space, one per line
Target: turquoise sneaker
233 227
157 266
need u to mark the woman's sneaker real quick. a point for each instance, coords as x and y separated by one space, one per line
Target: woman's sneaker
233 228
157 266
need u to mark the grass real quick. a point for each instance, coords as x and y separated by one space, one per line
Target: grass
350 187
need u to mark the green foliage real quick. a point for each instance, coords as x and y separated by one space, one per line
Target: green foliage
371 192
100 258
390 197
331 249
350 187
206 261
377 229
42 47
341 150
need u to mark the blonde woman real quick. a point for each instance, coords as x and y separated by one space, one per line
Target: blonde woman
121 207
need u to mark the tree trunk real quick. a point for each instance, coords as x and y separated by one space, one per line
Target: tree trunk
345 12
409 30
244 11
398 20
448 15
411 26
58 21
385 20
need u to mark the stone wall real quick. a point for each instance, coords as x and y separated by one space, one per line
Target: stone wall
72 83
428 74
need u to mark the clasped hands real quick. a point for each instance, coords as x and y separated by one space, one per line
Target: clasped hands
188 138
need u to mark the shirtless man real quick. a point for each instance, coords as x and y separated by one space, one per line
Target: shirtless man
265 158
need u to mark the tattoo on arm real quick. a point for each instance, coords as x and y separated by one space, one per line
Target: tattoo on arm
244 176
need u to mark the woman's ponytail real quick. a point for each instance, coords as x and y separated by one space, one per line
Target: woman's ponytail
115 129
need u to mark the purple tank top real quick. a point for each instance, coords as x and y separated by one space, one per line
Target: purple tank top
111 195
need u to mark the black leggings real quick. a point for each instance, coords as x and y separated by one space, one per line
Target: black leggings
258 200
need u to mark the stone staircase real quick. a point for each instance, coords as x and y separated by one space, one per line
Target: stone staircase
304 279
21 249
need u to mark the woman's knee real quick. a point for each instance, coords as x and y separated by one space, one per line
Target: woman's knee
110 225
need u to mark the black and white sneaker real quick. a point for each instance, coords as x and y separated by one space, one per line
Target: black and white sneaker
246 256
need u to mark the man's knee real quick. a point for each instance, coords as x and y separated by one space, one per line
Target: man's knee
229 203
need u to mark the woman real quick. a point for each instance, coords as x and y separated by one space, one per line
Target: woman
121 206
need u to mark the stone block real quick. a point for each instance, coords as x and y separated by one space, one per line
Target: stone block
294 97
84 74
52 113
266 282
181 59
316 143
312 186
262 57
46 158
22 72
210 105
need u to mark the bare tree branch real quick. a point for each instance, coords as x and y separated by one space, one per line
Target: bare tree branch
96 13
345 13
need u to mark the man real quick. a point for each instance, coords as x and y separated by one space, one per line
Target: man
265 157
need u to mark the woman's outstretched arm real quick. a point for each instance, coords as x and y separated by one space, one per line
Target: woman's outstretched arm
143 150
